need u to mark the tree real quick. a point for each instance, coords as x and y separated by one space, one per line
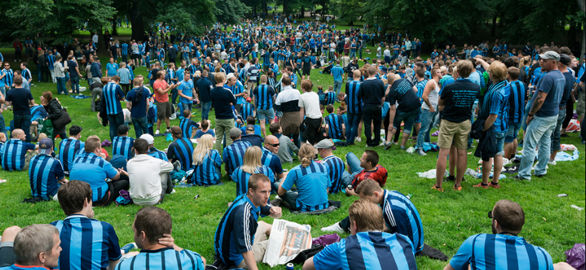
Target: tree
231 11
349 11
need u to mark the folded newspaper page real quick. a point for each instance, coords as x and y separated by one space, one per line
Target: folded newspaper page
287 239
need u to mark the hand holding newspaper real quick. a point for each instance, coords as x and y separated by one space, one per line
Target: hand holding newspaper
287 239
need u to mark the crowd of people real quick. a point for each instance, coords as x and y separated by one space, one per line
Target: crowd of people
258 75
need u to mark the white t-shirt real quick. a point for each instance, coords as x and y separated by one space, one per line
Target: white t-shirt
144 173
310 103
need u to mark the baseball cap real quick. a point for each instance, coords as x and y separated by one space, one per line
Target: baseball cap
565 59
230 76
45 146
550 55
148 137
323 144
235 132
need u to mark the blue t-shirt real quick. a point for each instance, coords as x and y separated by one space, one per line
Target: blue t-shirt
552 83
165 258
13 154
500 251
186 88
94 170
367 250
112 69
312 183
496 101
337 72
44 174
241 178
138 96
200 133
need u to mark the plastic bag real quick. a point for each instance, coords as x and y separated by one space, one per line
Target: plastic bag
325 240
576 256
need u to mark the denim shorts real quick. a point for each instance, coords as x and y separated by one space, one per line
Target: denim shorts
500 143
512 132
408 118
267 115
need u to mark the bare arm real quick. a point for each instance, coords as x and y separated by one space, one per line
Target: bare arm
112 264
536 105
440 105
249 260
281 190
308 265
489 121
428 87
449 267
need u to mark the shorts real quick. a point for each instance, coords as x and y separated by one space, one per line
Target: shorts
408 118
306 71
500 143
163 109
512 132
265 114
418 118
453 134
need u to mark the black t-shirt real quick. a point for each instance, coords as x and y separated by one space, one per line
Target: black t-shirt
458 99
372 92
204 86
402 92
20 99
222 100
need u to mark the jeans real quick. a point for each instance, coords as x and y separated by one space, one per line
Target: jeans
353 121
555 135
372 117
290 200
23 121
354 166
61 85
538 134
115 120
337 87
205 109
75 85
427 118
223 127
140 126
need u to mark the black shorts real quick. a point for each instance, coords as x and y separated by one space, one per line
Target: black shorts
306 70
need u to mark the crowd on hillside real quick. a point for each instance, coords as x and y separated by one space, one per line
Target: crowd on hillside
258 75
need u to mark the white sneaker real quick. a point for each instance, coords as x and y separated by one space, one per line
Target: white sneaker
358 139
421 152
157 132
333 228
551 162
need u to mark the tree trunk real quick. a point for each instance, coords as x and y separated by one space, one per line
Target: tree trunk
286 7
582 6
114 26
137 22
493 29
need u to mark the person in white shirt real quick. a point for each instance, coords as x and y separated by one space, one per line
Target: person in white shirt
147 187
313 117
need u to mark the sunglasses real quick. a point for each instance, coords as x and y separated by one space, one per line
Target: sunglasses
490 214
275 145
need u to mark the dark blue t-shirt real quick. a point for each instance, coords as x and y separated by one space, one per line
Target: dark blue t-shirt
552 83
402 92
221 99
138 97
204 86
458 99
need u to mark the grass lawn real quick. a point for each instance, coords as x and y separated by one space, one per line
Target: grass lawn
448 218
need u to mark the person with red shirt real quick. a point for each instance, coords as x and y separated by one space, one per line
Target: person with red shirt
162 89
366 167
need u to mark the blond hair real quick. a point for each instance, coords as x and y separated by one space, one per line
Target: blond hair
367 215
251 160
306 154
497 71
204 145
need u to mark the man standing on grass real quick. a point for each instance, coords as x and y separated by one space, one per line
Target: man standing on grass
372 91
112 93
222 100
503 248
354 107
164 110
204 87
455 104
542 117
21 100
337 73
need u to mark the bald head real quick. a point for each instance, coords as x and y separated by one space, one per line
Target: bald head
18 134
356 74
272 143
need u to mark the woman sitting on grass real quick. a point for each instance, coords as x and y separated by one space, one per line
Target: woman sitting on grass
207 161
251 164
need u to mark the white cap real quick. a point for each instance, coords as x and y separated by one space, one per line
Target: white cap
148 137
230 76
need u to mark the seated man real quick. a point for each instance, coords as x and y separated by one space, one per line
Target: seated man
187 125
152 151
251 137
233 154
335 126
7 246
286 145
400 215
45 172
70 147
270 158
240 242
36 247
181 149
480 250
147 187
335 164
91 167
14 151
368 247
365 168
151 226
86 242
204 129
251 122
122 144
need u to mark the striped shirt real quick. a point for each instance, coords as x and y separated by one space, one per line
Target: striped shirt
402 217
353 97
208 172
336 167
272 161
13 155
233 155
241 178
87 243
26 74
517 92
122 145
312 184
51 61
68 149
182 150
420 85
235 233
367 250
112 94
500 251
330 98
44 173
496 102
94 170
165 258
154 152
9 78
335 123
263 97
187 126
246 111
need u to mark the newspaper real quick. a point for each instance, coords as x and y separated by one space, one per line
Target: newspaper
287 239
